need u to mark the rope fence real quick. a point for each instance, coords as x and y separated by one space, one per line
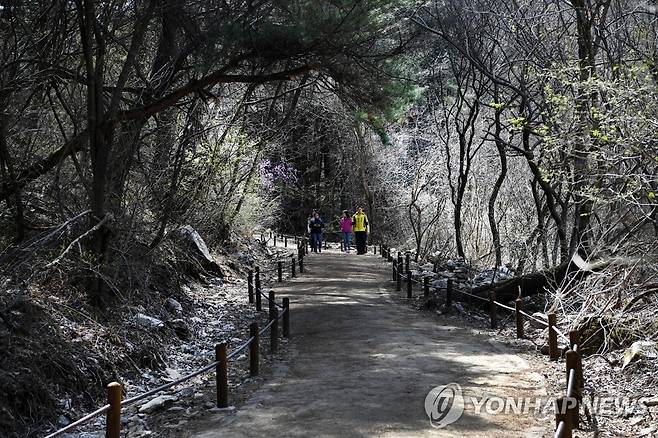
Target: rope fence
566 407
115 390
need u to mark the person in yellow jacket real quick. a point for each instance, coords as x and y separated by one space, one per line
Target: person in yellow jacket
360 227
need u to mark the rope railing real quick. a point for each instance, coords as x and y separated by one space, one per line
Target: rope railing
567 408
115 390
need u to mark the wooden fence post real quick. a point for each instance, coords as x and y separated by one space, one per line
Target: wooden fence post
221 375
571 358
426 287
574 338
409 285
279 271
407 262
286 317
553 352
394 268
398 277
275 240
253 349
259 305
518 306
389 255
274 331
250 286
292 268
271 303
493 311
301 264
113 419
285 241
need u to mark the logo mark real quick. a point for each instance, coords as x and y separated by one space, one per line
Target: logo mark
444 405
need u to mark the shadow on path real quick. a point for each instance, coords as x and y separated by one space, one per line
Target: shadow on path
361 366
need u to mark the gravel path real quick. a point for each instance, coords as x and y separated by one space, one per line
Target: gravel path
361 365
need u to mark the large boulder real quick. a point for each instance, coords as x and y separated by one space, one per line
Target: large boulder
198 249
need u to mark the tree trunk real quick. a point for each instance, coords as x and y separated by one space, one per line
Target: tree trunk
500 145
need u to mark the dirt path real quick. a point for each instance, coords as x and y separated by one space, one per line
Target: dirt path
361 365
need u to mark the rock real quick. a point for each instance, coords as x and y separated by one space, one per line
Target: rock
639 350
62 420
441 283
540 316
198 247
158 404
650 401
174 306
180 327
646 431
149 321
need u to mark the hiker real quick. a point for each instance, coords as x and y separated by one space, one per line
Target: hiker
346 230
315 226
360 227
308 228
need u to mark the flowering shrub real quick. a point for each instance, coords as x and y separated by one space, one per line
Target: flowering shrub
272 172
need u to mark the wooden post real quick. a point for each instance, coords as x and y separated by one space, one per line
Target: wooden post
426 287
574 338
579 367
286 317
449 294
409 285
393 269
285 241
493 311
274 331
553 352
250 286
407 261
259 306
562 416
571 358
275 240
518 306
271 303
221 375
398 278
253 349
279 271
301 265
389 255
374 249
113 419
292 268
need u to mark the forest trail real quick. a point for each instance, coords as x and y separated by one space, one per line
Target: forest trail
361 365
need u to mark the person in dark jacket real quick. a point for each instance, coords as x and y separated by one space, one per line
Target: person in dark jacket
315 226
